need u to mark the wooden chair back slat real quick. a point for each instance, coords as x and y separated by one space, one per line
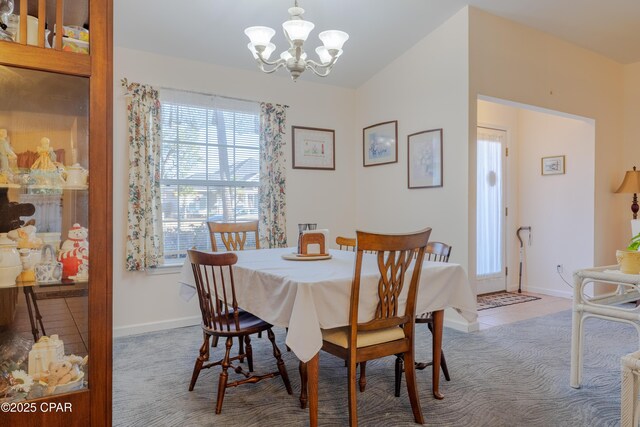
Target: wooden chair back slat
232 234
211 272
395 256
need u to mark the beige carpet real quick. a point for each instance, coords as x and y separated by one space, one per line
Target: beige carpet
512 375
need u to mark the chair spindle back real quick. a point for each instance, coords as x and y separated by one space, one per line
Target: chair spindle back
438 251
213 275
346 243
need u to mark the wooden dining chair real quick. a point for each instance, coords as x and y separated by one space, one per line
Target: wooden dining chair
440 252
233 234
346 243
221 317
391 330
234 238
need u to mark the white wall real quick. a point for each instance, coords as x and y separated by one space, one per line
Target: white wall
559 208
425 88
631 118
513 62
631 131
144 302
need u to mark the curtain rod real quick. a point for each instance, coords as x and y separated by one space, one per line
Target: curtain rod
209 94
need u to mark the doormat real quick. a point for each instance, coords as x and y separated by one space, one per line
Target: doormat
501 299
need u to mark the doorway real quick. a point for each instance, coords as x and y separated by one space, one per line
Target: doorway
559 207
491 209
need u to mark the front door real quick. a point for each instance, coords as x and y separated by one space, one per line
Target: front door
491 210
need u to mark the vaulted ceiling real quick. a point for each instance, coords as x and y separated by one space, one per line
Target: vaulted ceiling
380 30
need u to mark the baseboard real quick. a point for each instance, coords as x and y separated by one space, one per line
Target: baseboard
142 328
552 292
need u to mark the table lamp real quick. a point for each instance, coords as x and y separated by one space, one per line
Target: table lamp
631 184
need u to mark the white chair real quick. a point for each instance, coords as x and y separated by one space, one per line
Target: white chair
629 408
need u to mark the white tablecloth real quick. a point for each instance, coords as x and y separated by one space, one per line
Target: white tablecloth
307 296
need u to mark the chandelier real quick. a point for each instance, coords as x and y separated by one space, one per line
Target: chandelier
296 30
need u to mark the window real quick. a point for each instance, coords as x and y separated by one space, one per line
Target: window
210 166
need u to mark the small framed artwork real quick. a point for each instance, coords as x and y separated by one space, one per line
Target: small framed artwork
313 148
553 165
424 157
380 144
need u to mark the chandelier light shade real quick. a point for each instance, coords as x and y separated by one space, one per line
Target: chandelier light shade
297 31
631 184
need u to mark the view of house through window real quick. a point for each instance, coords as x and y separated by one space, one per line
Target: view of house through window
210 166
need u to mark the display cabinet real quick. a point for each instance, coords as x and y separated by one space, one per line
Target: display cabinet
55 212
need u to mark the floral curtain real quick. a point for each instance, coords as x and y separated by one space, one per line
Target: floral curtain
272 201
144 247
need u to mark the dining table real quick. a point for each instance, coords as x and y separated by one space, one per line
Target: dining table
306 296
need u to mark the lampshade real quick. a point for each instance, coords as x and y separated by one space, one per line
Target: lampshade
266 53
260 36
333 39
324 55
630 183
298 29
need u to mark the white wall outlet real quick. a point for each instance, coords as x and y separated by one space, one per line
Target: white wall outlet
560 268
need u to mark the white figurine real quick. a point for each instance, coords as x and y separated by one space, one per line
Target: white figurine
7 156
46 160
74 254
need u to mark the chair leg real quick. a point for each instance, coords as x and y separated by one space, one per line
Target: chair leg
412 386
288 349
222 383
215 341
363 376
353 405
203 357
281 368
443 361
399 368
302 367
248 351
443 365
240 350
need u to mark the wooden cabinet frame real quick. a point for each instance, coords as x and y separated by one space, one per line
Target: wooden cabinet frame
91 406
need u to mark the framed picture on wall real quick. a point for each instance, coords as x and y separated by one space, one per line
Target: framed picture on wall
424 158
553 165
313 148
380 144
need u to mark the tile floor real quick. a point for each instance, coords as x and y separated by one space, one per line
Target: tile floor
527 310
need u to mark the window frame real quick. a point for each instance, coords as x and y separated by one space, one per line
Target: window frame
231 187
